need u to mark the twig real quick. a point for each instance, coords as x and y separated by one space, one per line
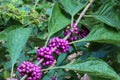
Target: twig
36 2
66 37
47 41
83 12
40 61
11 75
54 49
24 77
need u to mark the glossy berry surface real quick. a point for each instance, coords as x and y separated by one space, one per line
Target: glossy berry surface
46 54
32 71
61 45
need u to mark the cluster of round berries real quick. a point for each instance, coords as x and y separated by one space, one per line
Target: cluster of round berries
56 45
32 71
74 30
61 45
75 33
46 54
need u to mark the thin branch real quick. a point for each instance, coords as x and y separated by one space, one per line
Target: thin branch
46 43
39 62
36 2
11 75
24 77
83 12
66 37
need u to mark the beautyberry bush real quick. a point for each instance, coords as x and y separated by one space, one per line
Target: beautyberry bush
59 39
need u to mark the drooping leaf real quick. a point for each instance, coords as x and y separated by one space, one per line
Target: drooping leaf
108 20
57 21
108 14
93 67
16 41
99 50
102 35
73 7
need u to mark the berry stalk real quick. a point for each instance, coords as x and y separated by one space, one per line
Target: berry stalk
39 62
68 35
24 77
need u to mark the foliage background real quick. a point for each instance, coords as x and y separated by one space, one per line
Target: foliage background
27 24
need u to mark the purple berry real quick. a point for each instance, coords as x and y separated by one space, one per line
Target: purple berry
32 71
75 32
60 44
46 54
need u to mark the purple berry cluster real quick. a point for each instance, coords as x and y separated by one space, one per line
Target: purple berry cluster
84 32
74 30
61 45
32 71
46 54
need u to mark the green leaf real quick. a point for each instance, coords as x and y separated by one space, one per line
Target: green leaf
57 21
73 7
97 78
16 41
108 20
2 36
118 58
4 33
108 14
49 75
102 35
93 67
61 58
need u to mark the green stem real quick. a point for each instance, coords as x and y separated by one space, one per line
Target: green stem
72 20
84 11
76 41
12 70
88 16
24 77
47 41
50 68
36 3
